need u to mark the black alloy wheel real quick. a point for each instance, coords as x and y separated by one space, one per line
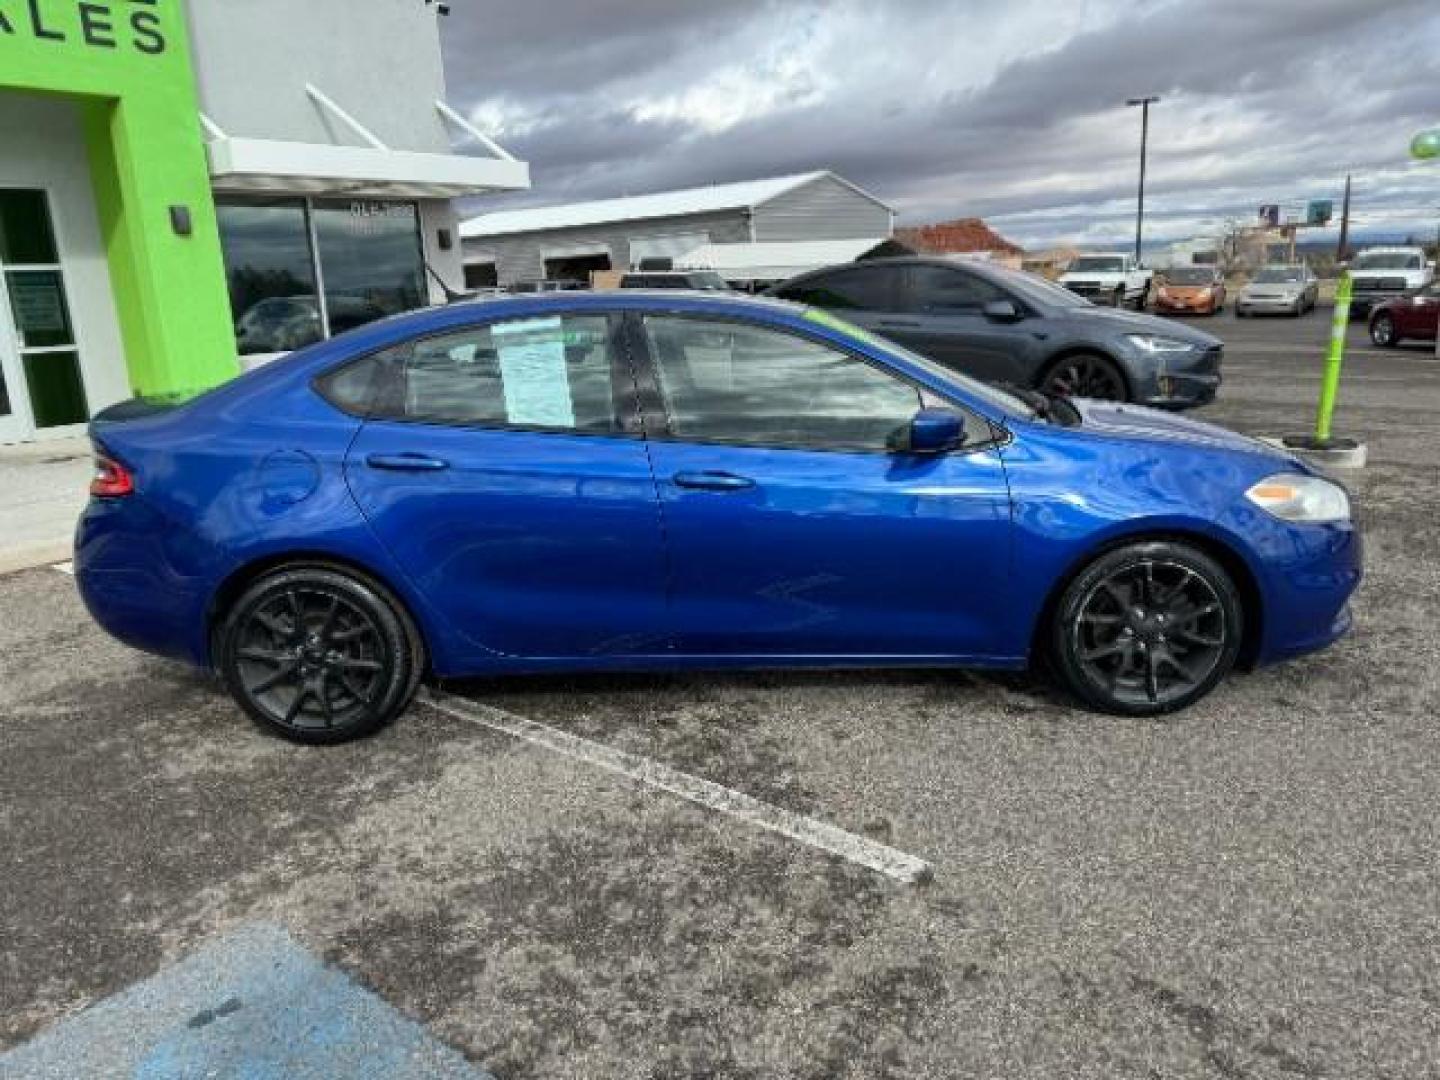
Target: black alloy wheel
1086 375
1382 330
319 656
1147 629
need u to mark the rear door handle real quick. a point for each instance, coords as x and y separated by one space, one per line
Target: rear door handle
899 324
712 481
407 462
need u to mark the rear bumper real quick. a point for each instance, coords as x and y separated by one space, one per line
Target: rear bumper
128 572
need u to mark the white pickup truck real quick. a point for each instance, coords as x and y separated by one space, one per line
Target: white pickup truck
1109 279
1380 273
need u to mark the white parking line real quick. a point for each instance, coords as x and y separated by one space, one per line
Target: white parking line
66 567
817 834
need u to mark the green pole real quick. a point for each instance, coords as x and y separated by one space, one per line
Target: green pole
1334 357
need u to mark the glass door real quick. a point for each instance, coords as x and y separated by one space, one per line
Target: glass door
40 383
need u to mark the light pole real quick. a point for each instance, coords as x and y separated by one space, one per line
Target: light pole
1144 103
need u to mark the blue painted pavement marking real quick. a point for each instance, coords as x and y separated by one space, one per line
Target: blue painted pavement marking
252 1005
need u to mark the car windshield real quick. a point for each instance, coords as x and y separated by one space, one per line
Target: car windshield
1098 264
1387 260
1279 275
1000 399
1189 275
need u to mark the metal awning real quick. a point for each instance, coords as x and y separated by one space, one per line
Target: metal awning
375 170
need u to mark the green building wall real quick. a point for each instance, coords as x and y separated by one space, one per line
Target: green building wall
127 63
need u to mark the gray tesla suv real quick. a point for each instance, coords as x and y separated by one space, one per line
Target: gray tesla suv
1006 326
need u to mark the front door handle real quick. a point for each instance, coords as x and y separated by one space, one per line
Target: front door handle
712 481
900 324
407 462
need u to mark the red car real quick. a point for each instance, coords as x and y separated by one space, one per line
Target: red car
1412 317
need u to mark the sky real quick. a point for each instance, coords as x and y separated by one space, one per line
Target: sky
1011 110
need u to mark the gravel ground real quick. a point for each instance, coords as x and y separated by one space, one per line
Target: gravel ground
1250 889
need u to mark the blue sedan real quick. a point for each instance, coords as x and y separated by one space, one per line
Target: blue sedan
646 481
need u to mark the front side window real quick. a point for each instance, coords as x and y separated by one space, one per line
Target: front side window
865 289
939 289
553 372
729 382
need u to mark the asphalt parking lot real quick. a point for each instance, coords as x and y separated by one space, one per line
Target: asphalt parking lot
1248 889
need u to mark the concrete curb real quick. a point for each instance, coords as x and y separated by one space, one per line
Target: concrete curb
32 555
1343 454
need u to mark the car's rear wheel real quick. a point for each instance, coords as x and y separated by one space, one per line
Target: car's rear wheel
1382 330
1085 375
1147 629
319 655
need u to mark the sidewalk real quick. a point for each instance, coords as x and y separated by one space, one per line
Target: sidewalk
43 488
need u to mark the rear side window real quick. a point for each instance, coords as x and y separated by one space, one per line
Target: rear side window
868 289
553 373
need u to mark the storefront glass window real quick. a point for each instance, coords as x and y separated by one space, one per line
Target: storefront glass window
369 264
370 259
270 273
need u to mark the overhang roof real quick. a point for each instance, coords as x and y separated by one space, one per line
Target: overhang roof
239 164
714 198
266 165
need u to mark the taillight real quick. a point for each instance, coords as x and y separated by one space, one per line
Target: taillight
111 479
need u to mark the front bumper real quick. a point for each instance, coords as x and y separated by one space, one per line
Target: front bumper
1097 293
1185 305
1362 303
1311 572
1275 304
1183 381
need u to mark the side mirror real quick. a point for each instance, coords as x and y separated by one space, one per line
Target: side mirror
1001 310
931 431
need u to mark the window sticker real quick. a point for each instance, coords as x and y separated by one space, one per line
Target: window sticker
532 366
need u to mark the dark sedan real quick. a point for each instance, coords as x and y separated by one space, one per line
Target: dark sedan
1006 326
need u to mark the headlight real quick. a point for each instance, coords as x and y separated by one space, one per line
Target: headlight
1292 497
1154 343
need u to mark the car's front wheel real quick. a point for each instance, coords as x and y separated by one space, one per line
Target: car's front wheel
319 655
1147 628
1382 330
1087 375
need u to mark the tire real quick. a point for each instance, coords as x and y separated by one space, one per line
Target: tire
1240 312
319 655
1382 331
1085 375
1146 629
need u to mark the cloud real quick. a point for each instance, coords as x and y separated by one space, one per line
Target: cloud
1010 110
